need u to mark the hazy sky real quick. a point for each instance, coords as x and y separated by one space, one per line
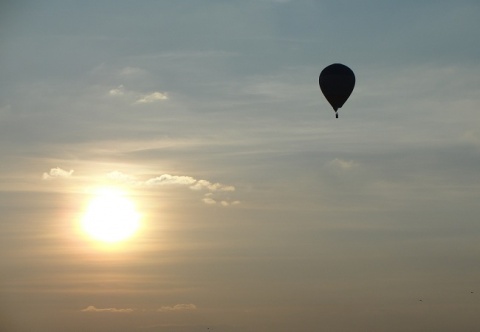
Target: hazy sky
259 211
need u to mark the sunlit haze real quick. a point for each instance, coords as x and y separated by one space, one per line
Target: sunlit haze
110 216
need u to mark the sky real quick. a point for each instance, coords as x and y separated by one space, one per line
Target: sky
257 209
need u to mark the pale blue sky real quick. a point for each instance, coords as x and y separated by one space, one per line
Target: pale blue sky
260 210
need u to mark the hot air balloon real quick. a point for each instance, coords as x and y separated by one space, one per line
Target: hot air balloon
336 82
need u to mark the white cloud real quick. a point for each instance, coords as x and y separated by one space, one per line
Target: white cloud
56 173
152 97
166 179
180 180
179 307
137 97
92 308
204 184
173 308
118 91
210 200
194 184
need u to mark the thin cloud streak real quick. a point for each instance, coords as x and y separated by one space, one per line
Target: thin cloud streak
168 179
183 307
178 307
138 97
57 173
93 309
152 97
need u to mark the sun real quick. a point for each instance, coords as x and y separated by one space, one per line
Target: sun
110 216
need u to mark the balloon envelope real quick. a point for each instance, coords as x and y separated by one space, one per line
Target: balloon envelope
337 82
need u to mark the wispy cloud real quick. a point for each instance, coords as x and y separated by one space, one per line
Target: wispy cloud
167 179
137 97
208 187
173 308
92 308
118 91
56 173
210 200
179 307
152 97
196 185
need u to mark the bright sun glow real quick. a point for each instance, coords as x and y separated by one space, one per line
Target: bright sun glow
110 217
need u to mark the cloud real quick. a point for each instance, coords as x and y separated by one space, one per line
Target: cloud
194 184
56 173
210 200
166 179
92 308
204 184
173 308
180 180
137 97
118 91
152 97
179 307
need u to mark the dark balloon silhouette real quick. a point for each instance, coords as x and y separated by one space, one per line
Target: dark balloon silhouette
337 82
